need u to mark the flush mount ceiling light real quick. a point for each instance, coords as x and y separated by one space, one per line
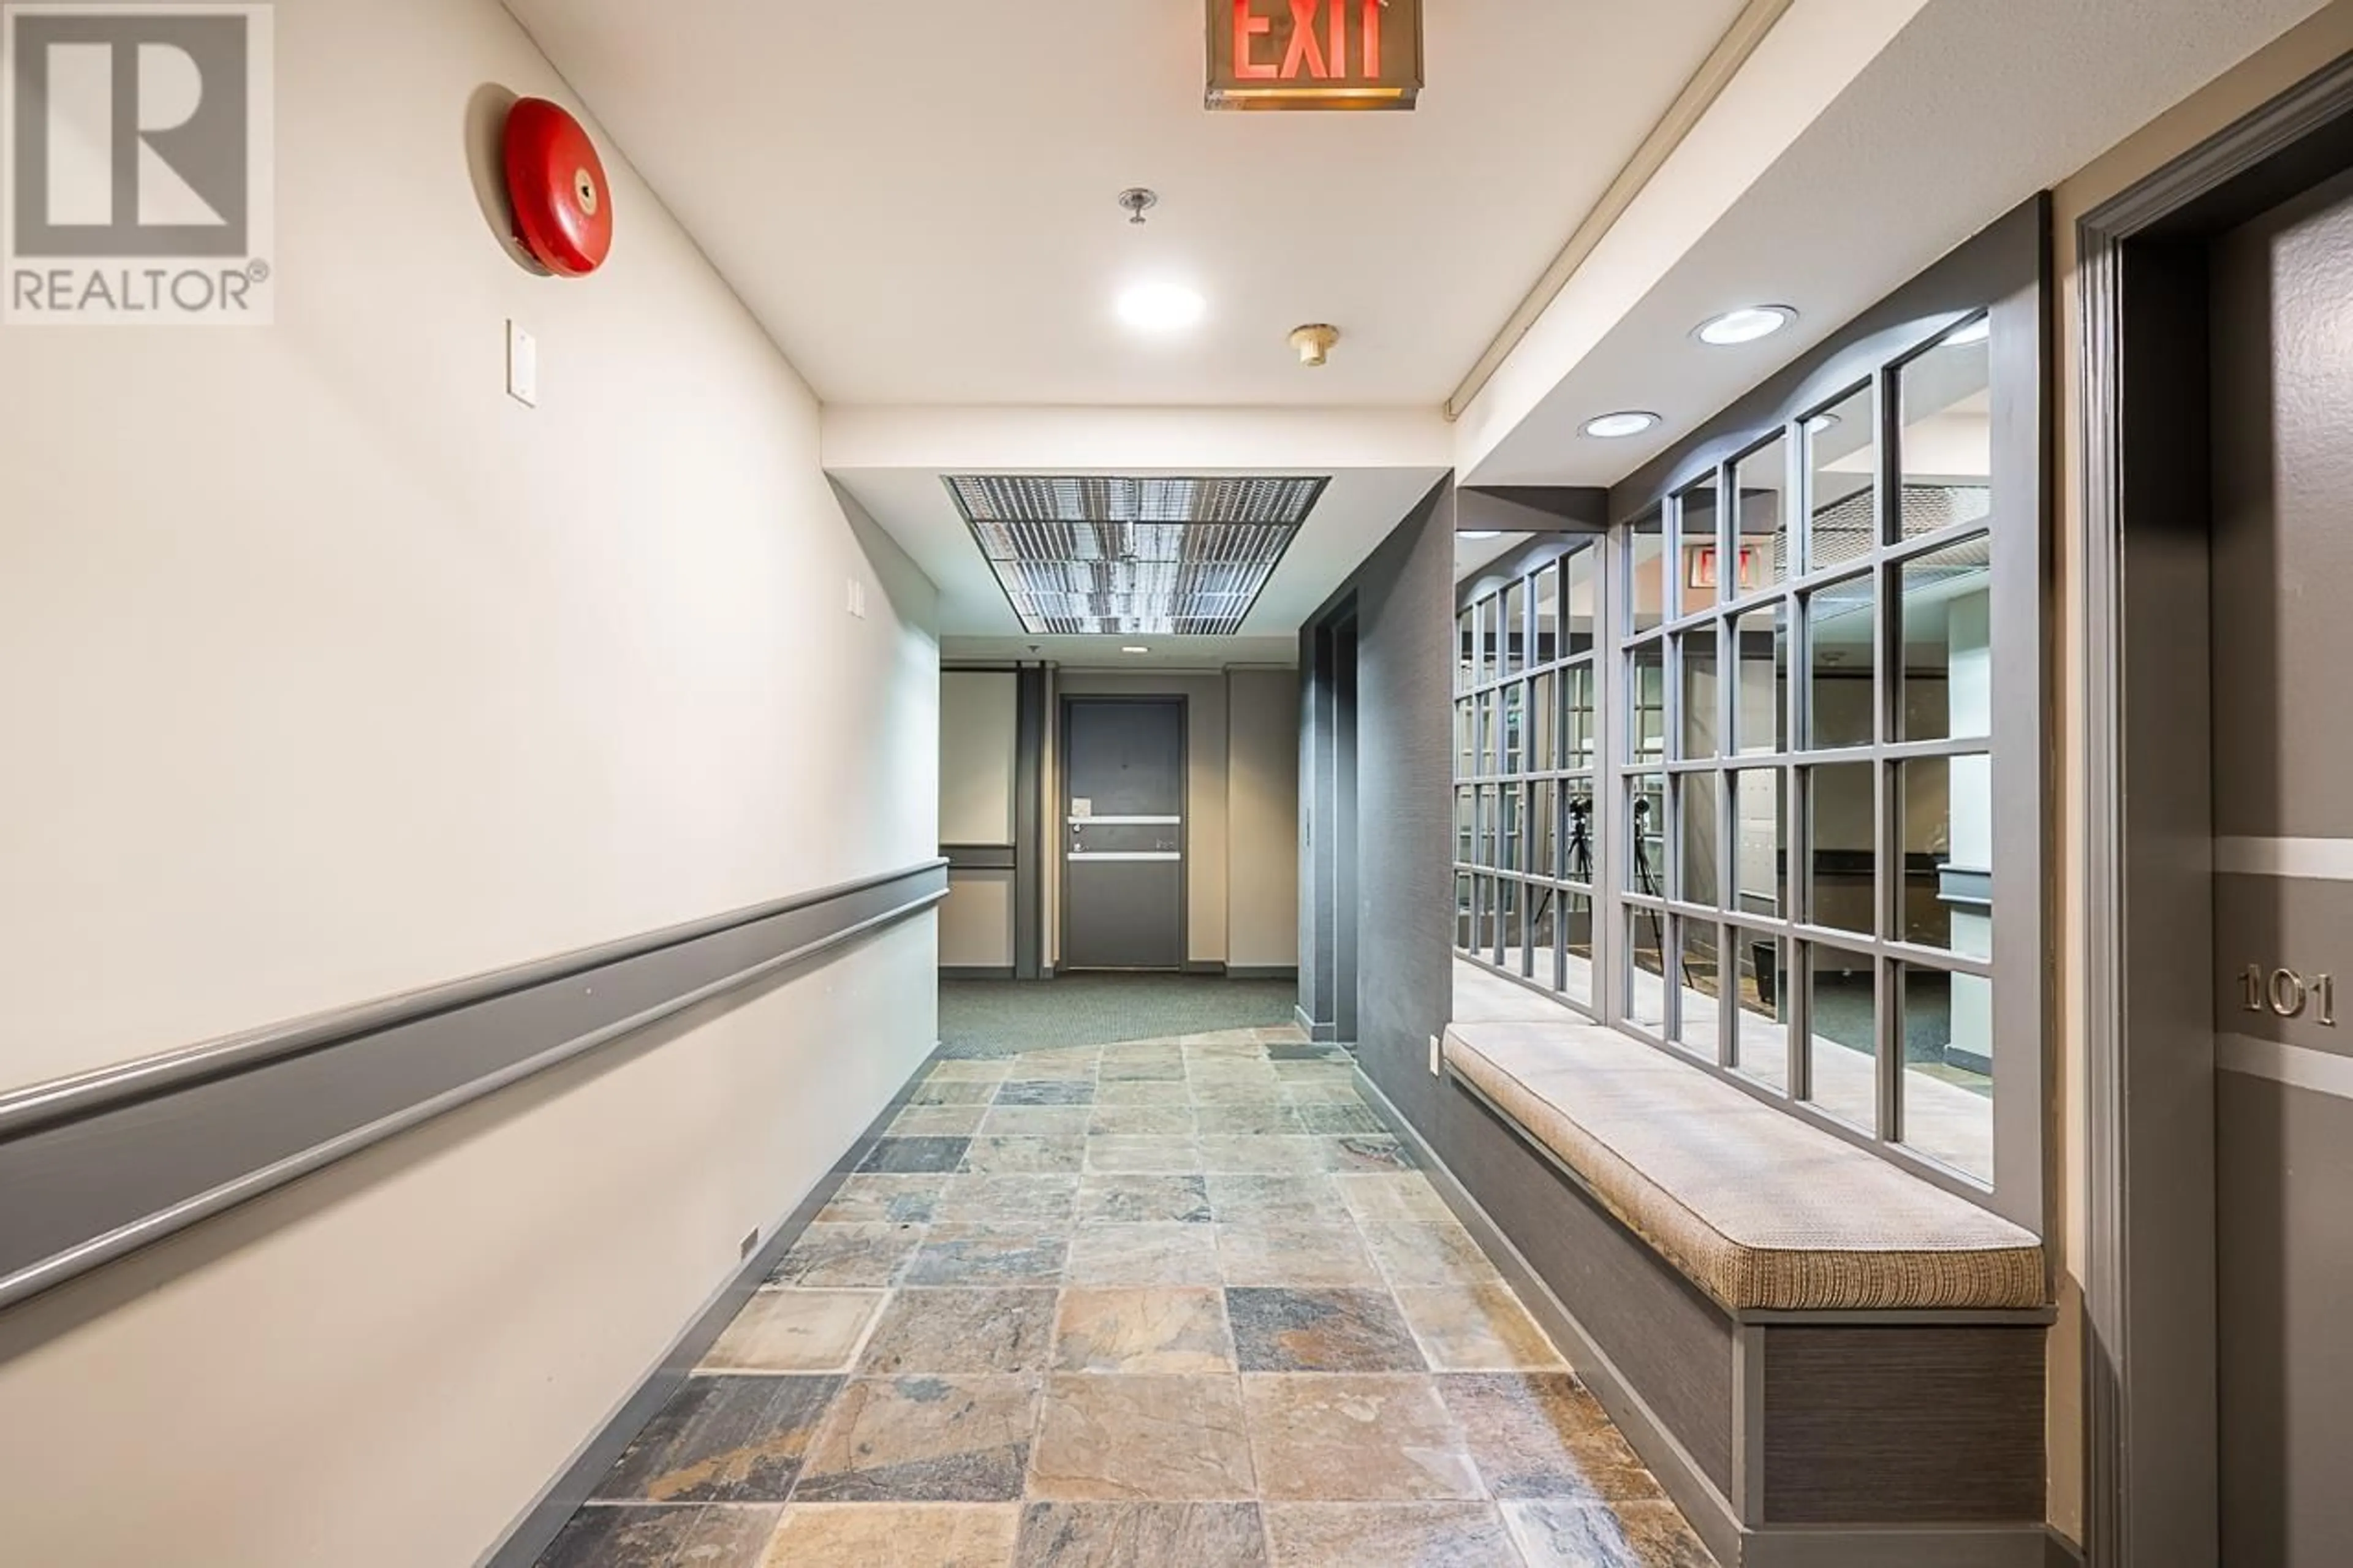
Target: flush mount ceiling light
1157 557
1745 325
1161 307
1976 332
1617 427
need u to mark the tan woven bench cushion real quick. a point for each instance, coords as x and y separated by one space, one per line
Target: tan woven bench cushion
1757 1209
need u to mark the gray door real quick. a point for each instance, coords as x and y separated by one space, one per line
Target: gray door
1123 834
2282 313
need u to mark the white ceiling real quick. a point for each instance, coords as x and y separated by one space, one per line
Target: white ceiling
917 200
1111 653
1356 509
1963 110
1471 553
1380 462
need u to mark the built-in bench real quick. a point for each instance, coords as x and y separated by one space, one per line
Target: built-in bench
1761 1211
1832 1362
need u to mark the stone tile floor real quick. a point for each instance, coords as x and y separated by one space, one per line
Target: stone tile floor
1173 1304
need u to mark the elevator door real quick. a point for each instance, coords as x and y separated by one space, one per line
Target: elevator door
2280 302
1123 834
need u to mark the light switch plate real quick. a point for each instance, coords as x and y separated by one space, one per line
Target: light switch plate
522 366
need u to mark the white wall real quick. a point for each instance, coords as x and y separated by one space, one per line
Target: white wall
979 739
980 734
1263 818
976 921
326 671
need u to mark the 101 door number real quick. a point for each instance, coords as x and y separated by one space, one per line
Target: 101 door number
2289 995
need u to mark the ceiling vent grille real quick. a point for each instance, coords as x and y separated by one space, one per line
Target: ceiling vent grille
1091 555
1845 531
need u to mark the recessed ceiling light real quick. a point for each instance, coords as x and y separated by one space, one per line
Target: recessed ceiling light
1745 325
1135 650
1161 307
1616 426
1976 332
1480 534
1821 422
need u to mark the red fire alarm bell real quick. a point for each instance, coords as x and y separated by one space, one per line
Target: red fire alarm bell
563 203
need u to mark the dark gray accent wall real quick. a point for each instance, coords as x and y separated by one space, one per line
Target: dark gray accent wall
2283 1164
1667 1339
2150 721
1532 509
1401 601
1327 841
99 1166
1314 881
2281 394
1031 854
1672 1345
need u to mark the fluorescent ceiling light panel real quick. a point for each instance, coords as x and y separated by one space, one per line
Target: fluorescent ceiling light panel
1087 555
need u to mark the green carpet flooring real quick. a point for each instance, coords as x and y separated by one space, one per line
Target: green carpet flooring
998 1017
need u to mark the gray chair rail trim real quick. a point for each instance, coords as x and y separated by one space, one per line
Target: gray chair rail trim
103 1163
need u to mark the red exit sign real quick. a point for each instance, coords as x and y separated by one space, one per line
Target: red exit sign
1314 54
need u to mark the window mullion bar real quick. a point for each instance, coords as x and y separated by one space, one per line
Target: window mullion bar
1797 783
1727 697
1612 585
1887 694
1670 805
1966 746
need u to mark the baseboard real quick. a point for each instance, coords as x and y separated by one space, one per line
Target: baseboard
1934 1546
1709 1512
531 1536
976 972
1323 1034
1262 971
2058 1551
